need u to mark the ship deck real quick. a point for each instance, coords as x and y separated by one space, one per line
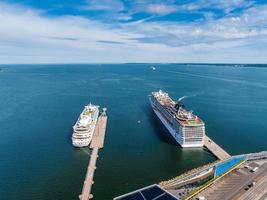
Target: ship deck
194 122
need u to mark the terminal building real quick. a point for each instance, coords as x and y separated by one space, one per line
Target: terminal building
240 177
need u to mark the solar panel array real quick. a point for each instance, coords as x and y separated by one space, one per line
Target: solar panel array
153 192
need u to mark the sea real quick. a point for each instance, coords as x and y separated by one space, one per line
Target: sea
39 104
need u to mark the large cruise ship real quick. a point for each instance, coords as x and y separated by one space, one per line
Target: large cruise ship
186 128
84 127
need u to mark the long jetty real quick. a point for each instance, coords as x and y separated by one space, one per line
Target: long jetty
215 149
96 144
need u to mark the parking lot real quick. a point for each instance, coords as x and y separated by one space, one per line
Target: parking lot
241 183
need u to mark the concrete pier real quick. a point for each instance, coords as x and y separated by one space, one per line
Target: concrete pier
215 149
99 134
96 144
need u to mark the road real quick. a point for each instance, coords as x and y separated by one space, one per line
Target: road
233 185
257 191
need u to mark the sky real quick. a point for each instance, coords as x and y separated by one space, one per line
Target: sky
123 31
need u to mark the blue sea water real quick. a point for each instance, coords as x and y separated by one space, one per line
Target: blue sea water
40 103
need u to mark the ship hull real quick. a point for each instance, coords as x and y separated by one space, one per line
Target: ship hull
86 138
176 135
81 142
83 137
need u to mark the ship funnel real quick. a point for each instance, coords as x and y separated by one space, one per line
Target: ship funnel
178 105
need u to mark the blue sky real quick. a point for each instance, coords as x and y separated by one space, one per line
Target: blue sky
119 31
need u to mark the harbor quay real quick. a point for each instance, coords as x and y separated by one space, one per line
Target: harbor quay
215 149
241 177
96 144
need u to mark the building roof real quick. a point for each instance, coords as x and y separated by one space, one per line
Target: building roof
148 193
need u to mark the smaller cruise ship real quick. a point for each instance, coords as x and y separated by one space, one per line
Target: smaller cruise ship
84 127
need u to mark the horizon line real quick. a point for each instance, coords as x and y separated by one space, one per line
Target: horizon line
110 63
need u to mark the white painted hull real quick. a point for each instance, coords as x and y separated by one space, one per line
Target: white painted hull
85 140
82 138
81 142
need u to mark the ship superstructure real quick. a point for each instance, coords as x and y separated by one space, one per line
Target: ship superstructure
84 127
186 128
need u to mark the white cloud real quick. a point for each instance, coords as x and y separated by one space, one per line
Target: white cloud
160 9
107 9
225 5
114 5
29 36
252 23
70 31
